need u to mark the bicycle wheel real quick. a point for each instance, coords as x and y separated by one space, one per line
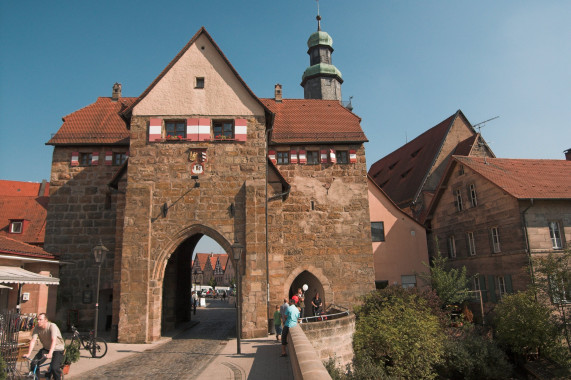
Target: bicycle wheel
98 347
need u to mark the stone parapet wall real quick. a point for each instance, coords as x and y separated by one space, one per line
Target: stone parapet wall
332 339
305 361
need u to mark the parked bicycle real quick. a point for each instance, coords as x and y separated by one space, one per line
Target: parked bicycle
96 346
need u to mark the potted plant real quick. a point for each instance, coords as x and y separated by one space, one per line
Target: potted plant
71 355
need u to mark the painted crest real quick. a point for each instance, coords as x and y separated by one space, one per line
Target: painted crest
197 157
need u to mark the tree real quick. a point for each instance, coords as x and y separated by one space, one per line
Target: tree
450 284
553 281
397 329
212 283
523 325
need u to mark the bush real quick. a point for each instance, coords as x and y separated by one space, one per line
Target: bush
361 369
471 355
397 329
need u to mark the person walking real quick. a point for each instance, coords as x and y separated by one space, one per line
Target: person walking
52 346
194 301
292 314
278 323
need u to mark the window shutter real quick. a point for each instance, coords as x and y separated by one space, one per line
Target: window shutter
240 129
483 288
353 156
94 158
508 280
324 156
272 156
155 130
203 129
302 157
293 156
192 128
75 159
108 158
332 156
492 286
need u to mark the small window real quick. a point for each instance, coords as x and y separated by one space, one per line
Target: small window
461 170
408 281
495 239
85 159
501 284
458 201
312 205
471 243
560 289
477 288
312 157
283 158
451 247
342 157
119 158
16 227
175 129
473 197
223 130
555 234
378 231
199 82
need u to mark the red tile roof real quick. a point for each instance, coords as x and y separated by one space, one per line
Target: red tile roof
19 201
98 123
202 259
401 173
525 178
313 120
15 247
223 260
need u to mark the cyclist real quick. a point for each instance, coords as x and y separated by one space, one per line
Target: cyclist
52 346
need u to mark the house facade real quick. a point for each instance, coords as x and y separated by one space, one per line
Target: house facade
496 216
279 183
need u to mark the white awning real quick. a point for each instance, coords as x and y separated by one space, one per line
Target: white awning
15 275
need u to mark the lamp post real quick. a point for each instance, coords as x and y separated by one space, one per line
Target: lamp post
237 252
99 253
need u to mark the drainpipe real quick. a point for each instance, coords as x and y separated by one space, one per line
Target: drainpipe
268 132
528 248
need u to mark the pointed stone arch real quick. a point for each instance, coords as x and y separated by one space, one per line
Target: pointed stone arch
327 295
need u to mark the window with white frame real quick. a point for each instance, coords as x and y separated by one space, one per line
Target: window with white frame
473 197
451 247
560 288
501 285
555 234
471 243
458 197
16 226
408 281
495 233
477 287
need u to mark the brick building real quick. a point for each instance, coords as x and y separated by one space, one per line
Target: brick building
495 216
283 181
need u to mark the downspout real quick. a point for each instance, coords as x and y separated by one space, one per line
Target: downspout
528 248
268 132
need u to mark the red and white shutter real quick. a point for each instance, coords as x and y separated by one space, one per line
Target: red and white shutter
324 156
203 129
352 156
108 158
155 130
272 156
240 129
332 156
293 156
75 159
94 158
302 157
192 128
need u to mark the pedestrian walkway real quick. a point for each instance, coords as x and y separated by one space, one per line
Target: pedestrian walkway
259 358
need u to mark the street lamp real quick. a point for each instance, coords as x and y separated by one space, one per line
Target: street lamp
99 253
237 249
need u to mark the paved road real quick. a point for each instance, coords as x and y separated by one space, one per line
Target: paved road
185 357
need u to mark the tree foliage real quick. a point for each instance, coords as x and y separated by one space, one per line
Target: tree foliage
212 283
450 284
523 325
396 328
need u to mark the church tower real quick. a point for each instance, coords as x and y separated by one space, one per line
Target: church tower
321 80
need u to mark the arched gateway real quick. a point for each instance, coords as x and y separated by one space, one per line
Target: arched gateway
284 179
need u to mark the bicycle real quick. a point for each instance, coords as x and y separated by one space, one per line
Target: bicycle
34 373
96 346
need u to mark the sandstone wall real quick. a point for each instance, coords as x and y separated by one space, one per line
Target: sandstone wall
332 339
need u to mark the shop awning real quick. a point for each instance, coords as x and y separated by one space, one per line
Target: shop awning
15 275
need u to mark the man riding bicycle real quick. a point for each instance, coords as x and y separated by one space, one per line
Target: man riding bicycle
52 346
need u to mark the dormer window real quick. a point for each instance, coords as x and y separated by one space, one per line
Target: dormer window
16 226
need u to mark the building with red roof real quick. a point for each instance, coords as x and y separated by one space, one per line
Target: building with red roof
496 216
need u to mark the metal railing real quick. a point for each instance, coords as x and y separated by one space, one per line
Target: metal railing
9 329
333 312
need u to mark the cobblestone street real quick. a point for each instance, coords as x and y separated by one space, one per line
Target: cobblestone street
185 357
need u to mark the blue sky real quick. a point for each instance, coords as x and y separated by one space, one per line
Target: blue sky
407 64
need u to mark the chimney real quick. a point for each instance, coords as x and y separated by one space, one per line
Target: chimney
116 92
278 93
42 188
568 154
